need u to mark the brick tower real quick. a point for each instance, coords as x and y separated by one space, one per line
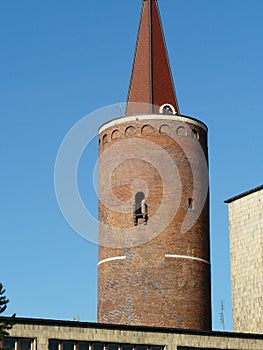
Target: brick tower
154 258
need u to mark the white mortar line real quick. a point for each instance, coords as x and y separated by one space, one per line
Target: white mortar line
112 259
186 257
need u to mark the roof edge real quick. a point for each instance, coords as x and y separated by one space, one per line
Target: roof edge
244 194
78 324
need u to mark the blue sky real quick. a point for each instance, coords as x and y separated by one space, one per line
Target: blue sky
61 60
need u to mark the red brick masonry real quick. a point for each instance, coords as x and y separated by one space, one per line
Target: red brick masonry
148 287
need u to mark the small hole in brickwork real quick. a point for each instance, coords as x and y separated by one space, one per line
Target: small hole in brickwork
140 208
191 203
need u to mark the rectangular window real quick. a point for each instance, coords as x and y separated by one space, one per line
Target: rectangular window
9 343
191 203
53 345
97 346
68 345
142 347
25 344
83 345
113 346
17 343
127 347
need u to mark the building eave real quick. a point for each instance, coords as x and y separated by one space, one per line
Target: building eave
244 194
92 325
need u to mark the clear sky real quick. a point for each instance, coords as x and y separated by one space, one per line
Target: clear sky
61 60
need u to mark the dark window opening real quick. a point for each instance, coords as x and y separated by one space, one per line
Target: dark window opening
113 347
55 344
140 208
25 344
9 343
17 343
68 345
97 346
83 345
191 203
167 110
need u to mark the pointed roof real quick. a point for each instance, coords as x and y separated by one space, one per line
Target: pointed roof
151 81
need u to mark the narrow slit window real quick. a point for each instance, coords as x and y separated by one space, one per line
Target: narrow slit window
191 203
140 208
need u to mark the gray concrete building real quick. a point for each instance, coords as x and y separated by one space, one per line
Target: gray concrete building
246 250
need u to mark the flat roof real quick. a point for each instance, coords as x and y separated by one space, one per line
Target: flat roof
244 194
78 324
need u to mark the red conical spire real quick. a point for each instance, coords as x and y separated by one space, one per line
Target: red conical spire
151 81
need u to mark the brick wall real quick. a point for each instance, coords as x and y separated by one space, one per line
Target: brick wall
156 274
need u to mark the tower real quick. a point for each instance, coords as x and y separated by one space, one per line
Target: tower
154 258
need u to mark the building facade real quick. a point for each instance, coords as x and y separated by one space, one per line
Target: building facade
246 251
36 334
154 256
